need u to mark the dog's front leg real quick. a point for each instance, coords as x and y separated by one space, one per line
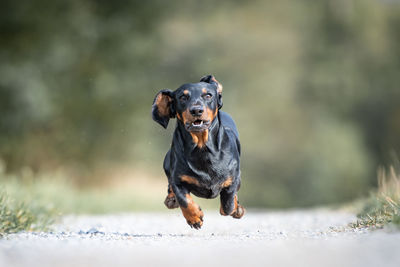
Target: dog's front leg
230 204
190 210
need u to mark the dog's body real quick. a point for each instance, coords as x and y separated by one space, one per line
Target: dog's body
204 158
210 166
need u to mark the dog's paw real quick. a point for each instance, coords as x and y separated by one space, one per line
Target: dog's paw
197 225
194 217
196 222
171 202
222 212
239 212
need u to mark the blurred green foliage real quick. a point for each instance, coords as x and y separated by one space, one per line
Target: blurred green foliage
313 87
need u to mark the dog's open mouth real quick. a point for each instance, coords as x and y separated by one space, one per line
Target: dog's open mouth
197 125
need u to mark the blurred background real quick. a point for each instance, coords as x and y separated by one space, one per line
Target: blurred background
312 85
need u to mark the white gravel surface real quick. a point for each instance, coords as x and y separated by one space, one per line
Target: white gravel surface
290 238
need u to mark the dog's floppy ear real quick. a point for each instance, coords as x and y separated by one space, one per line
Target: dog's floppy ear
211 80
163 107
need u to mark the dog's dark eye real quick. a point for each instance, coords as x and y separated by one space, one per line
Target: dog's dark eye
183 98
207 96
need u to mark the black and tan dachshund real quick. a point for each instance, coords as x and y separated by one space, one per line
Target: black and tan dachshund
204 158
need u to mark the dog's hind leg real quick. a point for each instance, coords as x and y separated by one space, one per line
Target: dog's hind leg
170 201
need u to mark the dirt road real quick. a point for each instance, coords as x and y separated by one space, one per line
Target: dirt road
290 238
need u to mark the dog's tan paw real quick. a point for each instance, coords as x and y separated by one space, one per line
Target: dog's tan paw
239 212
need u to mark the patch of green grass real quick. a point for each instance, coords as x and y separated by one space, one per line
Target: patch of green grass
382 207
20 212
17 215
33 203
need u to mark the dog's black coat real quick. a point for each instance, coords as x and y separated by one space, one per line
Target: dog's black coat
210 165
213 165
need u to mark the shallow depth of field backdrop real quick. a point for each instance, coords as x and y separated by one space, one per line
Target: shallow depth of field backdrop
314 87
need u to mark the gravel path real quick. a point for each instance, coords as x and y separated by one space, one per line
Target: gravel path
290 238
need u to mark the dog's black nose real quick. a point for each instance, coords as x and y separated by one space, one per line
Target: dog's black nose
196 110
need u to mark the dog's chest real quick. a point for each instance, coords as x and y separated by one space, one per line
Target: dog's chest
211 168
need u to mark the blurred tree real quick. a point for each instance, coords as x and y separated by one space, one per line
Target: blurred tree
71 75
351 69
312 86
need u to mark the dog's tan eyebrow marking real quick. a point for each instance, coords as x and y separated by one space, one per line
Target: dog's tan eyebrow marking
189 180
185 92
204 90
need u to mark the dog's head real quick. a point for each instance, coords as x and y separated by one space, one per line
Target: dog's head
195 104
